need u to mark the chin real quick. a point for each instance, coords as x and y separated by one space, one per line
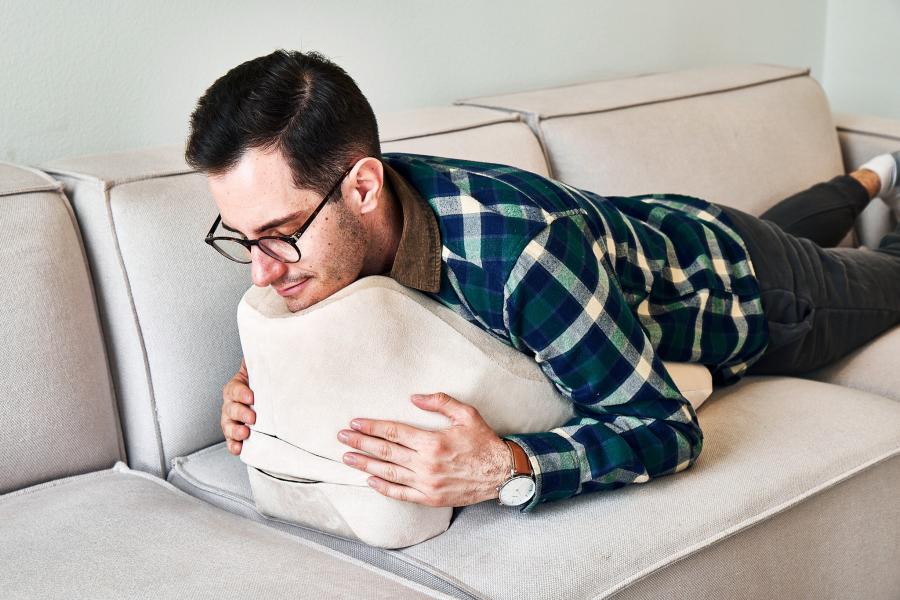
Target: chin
309 296
297 304
305 298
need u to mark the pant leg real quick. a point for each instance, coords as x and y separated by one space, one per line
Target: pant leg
819 303
824 213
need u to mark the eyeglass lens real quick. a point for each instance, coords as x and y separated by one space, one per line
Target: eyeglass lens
277 249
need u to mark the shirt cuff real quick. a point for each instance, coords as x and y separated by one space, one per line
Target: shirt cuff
554 461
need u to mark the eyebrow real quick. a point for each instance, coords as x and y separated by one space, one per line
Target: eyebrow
271 224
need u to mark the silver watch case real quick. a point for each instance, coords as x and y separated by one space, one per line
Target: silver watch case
516 491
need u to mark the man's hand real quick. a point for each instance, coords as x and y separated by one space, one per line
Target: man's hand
457 466
236 412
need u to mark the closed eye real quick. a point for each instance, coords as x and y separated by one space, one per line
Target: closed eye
224 226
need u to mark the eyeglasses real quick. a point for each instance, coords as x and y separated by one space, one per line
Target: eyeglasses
280 247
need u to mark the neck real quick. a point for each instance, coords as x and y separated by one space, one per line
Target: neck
384 236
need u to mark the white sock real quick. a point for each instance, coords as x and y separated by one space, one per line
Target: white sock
886 167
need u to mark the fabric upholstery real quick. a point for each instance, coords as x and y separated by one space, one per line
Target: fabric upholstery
216 476
744 136
125 534
828 548
771 443
59 415
463 132
295 359
173 344
871 368
773 447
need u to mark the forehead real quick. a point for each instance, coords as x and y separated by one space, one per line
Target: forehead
256 190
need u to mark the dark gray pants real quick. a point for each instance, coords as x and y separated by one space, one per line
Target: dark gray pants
820 302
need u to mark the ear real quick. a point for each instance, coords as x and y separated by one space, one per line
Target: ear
367 184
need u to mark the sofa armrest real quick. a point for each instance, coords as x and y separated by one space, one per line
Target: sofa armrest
862 137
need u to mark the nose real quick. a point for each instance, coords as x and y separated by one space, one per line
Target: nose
264 269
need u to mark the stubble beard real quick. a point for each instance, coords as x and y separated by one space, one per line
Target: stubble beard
349 256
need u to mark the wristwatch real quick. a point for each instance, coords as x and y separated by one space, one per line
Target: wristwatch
519 486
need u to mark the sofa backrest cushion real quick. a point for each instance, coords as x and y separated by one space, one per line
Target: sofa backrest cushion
59 415
168 301
464 132
745 136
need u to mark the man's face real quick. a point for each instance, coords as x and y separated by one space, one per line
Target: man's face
257 197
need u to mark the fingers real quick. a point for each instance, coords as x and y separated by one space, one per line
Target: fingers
400 433
446 405
385 470
239 412
235 431
377 447
398 492
238 387
236 412
237 390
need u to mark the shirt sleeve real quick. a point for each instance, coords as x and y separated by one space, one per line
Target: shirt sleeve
631 423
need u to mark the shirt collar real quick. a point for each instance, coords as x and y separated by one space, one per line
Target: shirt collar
417 263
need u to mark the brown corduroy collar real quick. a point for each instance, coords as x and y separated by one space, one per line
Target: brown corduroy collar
417 263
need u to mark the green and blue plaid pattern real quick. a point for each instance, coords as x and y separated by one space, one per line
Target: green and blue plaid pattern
600 290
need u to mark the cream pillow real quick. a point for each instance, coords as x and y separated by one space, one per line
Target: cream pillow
361 353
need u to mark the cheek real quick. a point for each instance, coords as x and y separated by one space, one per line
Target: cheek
339 250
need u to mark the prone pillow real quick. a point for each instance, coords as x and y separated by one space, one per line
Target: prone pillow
362 352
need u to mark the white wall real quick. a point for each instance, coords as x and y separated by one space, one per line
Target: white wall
97 76
862 57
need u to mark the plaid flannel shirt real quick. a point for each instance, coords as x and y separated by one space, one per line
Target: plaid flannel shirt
599 290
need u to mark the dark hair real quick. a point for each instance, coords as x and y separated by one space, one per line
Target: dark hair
301 104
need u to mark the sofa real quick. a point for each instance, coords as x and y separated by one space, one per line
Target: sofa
120 332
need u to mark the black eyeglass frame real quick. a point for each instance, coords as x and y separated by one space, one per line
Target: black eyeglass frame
289 239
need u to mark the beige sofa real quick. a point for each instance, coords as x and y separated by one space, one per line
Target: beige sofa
121 332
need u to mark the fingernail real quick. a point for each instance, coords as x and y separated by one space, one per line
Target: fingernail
343 436
349 459
355 424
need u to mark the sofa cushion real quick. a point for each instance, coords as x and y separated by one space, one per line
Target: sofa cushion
125 534
745 136
59 416
871 368
463 132
294 359
220 478
772 444
166 299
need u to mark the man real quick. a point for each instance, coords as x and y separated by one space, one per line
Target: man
599 290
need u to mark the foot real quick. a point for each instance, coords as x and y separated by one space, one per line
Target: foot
887 166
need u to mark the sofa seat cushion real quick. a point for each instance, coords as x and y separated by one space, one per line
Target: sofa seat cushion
771 444
871 368
220 478
120 533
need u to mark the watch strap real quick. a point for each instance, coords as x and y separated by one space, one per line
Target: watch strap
520 463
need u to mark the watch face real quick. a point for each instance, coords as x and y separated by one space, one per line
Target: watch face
517 490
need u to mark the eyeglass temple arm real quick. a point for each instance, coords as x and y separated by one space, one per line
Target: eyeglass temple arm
214 225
